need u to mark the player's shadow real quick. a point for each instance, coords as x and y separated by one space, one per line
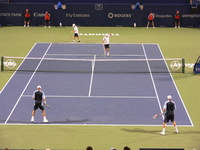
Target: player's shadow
67 121
138 130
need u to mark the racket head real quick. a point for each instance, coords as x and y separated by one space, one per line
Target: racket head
155 116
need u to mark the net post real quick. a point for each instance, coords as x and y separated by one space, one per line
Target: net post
183 65
2 64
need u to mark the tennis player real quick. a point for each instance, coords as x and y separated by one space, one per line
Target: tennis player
27 16
150 20
75 33
106 44
169 108
40 99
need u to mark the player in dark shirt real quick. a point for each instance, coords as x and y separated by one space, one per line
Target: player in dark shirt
40 99
168 108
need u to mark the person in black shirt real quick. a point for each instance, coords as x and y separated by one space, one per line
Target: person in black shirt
40 99
169 107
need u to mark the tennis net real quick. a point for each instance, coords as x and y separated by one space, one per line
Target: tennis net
94 64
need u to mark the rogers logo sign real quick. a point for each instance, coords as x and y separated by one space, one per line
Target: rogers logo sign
111 15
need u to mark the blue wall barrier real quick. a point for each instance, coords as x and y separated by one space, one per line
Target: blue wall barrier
98 14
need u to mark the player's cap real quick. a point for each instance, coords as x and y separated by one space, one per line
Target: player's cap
169 97
73 25
106 34
39 87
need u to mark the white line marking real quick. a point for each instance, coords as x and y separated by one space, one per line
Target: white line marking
26 86
154 86
74 96
16 69
177 89
92 74
92 55
49 124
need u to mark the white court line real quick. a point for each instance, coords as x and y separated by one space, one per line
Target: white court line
17 69
92 74
74 96
26 86
153 81
83 124
92 55
177 89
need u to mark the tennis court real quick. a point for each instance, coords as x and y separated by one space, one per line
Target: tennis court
84 87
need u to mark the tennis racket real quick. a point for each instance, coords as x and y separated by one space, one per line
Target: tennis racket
47 106
155 116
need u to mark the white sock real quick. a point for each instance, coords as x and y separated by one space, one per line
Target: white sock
163 129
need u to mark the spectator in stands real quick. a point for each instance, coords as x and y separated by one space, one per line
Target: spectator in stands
126 148
27 16
177 18
47 20
150 20
89 148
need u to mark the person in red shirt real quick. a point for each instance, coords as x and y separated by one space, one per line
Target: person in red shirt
177 18
47 20
27 16
150 20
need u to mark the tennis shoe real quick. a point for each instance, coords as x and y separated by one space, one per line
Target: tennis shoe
32 120
45 120
162 133
176 130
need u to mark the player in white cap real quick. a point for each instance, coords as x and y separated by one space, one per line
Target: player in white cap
169 108
75 33
40 99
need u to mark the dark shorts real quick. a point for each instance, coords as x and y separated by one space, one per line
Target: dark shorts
169 117
47 21
75 34
150 21
177 20
106 46
27 19
38 105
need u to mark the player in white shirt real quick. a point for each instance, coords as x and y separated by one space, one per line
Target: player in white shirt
106 42
75 33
